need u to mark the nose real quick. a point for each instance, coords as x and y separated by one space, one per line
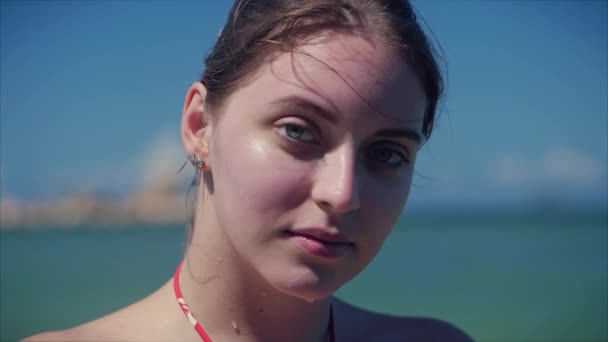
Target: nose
336 185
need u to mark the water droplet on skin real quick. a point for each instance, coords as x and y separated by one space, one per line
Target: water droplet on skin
236 328
264 293
220 260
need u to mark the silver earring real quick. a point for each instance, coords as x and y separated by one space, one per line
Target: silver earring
196 161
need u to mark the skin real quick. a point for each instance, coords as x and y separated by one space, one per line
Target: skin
274 166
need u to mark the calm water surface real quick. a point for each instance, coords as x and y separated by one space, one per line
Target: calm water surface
531 279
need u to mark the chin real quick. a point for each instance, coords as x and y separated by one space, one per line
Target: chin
308 285
307 294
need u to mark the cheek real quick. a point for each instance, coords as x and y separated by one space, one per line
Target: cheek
255 181
384 203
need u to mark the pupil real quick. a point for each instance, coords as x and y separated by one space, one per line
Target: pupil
294 131
383 155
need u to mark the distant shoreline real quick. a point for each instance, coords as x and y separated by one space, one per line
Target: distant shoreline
421 218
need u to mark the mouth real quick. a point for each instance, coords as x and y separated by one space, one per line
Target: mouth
320 243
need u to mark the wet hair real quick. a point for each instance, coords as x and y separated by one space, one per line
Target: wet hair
258 29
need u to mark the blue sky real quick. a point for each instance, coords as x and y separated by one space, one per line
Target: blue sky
91 95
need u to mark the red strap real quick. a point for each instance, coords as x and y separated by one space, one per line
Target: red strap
182 304
199 329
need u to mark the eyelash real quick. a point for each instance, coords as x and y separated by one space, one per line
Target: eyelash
371 153
394 152
284 133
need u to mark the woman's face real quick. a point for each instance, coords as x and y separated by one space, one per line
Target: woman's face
312 162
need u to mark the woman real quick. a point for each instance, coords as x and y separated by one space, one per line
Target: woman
303 131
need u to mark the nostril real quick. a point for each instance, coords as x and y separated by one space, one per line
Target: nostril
324 205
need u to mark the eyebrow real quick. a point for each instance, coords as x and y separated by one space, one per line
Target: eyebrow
400 133
306 105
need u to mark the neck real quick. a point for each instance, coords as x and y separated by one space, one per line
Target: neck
232 302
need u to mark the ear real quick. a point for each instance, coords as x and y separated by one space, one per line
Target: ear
196 124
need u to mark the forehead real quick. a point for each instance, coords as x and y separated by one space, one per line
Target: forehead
349 75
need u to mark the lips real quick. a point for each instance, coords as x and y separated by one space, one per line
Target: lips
323 235
321 242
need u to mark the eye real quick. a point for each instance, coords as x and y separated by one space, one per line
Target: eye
386 155
297 132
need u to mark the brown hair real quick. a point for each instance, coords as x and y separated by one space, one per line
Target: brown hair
257 29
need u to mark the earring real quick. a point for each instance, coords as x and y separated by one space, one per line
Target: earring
196 161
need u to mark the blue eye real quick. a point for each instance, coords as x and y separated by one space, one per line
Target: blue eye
386 156
298 133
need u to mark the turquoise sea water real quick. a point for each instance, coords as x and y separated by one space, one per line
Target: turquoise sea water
508 279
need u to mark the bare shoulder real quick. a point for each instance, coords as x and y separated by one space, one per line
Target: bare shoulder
140 321
101 329
49 336
357 324
74 334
